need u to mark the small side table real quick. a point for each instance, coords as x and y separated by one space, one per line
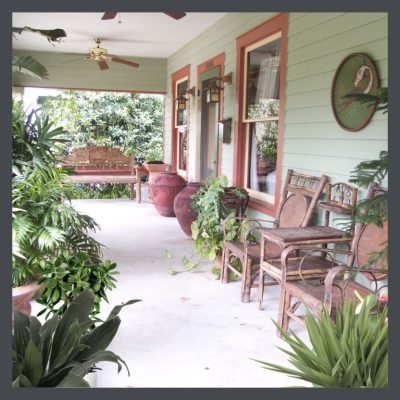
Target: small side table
313 268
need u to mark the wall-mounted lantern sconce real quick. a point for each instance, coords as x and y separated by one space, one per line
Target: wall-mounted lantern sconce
181 102
214 89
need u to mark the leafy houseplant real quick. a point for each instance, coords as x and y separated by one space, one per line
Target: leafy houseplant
44 224
59 353
66 276
207 232
351 352
373 210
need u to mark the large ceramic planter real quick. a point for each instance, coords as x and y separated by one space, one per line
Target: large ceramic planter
23 295
164 189
183 211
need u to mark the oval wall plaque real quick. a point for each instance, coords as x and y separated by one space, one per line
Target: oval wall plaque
357 73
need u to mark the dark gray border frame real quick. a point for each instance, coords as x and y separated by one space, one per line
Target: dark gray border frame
390 6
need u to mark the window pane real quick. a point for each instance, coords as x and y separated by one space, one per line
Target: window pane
182 151
262 153
262 100
181 115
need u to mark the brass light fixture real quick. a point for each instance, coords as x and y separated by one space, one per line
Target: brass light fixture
213 91
181 100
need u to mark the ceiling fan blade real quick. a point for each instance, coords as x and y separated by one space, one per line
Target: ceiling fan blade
109 15
176 15
102 64
121 61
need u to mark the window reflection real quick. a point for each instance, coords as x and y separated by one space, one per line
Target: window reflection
182 150
262 155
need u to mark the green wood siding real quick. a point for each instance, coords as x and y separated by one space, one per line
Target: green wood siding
317 42
149 77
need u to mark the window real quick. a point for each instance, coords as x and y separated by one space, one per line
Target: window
179 122
261 65
261 115
182 147
181 115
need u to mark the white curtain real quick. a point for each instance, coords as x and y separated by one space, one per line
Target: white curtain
268 79
253 159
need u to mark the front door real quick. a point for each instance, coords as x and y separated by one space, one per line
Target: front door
209 128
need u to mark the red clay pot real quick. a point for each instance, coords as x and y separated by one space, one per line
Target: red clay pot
23 295
183 211
163 191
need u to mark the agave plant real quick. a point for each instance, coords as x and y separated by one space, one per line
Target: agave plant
59 353
349 352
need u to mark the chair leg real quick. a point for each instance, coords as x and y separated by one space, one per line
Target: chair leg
260 289
284 305
246 281
224 268
132 191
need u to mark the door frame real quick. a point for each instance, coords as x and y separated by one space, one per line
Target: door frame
217 61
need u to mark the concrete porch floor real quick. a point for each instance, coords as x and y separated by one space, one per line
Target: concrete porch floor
189 330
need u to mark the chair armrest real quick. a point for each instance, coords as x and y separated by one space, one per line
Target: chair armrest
309 249
329 283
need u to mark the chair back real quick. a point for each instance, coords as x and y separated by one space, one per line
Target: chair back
230 201
299 198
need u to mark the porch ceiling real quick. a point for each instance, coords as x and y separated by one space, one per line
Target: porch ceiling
129 34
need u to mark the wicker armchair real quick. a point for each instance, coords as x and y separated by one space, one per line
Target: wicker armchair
298 201
339 282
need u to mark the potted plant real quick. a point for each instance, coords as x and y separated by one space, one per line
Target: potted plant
351 352
62 351
44 224
207 232
67 275
153 163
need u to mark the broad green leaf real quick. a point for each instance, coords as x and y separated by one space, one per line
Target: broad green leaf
32 365
73 381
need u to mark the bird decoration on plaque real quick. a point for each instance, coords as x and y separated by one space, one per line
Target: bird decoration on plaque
355 80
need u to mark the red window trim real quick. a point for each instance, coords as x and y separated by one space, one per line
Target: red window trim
279 23
217 61
176 76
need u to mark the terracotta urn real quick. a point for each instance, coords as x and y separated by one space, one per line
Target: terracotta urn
154 170
163 191
183 211
23 295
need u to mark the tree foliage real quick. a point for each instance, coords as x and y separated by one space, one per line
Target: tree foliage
129 121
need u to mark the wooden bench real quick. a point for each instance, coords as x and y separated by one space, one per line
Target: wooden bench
97 164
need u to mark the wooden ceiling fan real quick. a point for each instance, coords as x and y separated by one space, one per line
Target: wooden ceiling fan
101 56
174 15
